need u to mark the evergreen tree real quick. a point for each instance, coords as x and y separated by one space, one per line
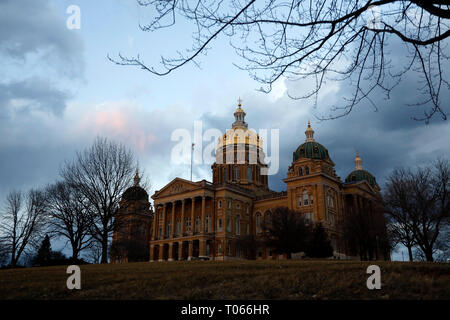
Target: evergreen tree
44 254
319 245
286 232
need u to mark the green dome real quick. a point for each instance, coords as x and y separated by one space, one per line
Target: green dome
312 150
360 175
135 193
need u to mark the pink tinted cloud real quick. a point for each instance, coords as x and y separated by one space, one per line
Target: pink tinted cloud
120 123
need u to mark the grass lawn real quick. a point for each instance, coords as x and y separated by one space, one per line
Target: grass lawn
316 279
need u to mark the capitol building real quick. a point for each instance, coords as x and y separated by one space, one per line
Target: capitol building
203 219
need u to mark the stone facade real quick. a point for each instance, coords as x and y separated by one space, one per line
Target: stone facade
204 220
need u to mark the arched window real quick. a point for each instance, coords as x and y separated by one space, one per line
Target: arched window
169 228
197 224
330 201
219 225
300 171
305 198
178 226
228 225
306 170
258 222
237 226
207 224
249 174
268 217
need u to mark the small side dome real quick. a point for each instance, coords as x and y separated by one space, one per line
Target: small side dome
135 193
360 175
311 149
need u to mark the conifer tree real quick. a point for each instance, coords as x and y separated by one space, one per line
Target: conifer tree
319 245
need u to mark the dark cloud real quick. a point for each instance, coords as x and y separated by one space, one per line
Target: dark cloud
33 27
21 97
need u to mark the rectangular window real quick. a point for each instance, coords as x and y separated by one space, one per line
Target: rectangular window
220 204
299 201
229 204
312 199
219 225
305 199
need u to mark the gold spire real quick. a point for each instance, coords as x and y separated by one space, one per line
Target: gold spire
309 133
358 162
137 179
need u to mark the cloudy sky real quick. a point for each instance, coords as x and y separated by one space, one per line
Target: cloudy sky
58 91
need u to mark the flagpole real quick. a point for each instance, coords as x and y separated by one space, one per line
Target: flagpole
192 151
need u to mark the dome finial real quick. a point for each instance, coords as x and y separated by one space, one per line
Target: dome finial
137 179
358 161
309 133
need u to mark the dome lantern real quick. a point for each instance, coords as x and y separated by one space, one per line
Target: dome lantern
309 133
239 117
137 179
358 162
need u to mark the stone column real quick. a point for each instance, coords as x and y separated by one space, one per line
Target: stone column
161 252
180 250
155 224
170 255
191 250
202 248
152 252
173 221
164 221
193 216
182 217
202 222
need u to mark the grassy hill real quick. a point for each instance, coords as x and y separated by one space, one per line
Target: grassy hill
231 280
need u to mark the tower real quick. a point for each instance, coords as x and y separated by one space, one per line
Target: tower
132 225
240 157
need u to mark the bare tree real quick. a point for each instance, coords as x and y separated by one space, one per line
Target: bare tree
343 40
94 253
364 231
68 216
428 208
22 222
101 174
398 202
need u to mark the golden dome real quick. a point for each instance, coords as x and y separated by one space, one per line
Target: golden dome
239 133
240 136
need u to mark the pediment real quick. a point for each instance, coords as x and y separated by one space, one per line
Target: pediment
364 185
176 186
